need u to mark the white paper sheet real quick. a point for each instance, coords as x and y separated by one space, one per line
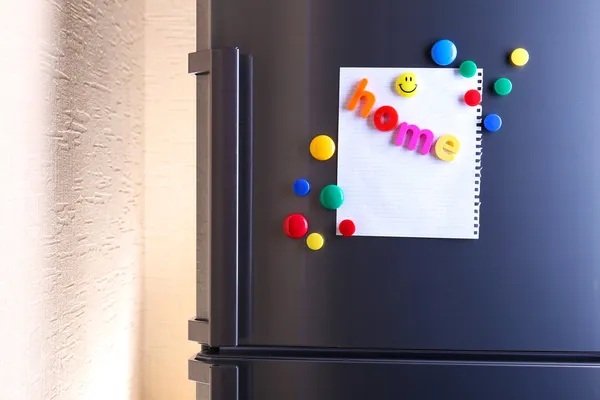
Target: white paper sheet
390 190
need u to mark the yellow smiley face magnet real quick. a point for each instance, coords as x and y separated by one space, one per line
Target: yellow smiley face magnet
406 84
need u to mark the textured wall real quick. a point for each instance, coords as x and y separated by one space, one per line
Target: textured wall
92 239
71 204
169 281
72 201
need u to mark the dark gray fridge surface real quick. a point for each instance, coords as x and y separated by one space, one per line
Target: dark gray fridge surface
532 279
261 379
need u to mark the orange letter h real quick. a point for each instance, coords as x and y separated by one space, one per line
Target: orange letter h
361 93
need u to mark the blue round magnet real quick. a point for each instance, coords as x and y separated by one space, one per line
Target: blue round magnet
492 122
301 187
443 52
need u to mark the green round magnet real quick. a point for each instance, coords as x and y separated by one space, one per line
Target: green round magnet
503 86
468 69
332 197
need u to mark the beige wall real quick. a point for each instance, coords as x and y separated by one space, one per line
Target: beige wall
170 176
111 108
71 203
23 145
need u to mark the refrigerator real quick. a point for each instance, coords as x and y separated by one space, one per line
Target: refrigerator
513 314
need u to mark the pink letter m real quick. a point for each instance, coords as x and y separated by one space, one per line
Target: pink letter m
416 134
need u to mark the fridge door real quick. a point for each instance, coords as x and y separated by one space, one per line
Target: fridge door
532 279
297 379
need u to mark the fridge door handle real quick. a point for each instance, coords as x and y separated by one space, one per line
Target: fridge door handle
220 382
229 191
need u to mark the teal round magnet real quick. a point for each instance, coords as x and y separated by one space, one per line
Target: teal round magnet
468 69
492 122
332 197
503 86
443 52
301 187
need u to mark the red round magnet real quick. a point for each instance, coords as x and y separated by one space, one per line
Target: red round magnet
347 227
295 225
472 98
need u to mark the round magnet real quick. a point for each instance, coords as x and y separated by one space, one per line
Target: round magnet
322 147
519 57
443 52
492 122
301 187
503 86
315 241
347 227
468 69
332 197
472 98
295 225
406 84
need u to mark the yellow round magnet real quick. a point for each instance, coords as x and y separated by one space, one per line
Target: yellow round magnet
519 57
406 84
315 241
322 147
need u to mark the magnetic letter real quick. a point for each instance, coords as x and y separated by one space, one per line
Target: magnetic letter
446 147
361 93
385 118
416 134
